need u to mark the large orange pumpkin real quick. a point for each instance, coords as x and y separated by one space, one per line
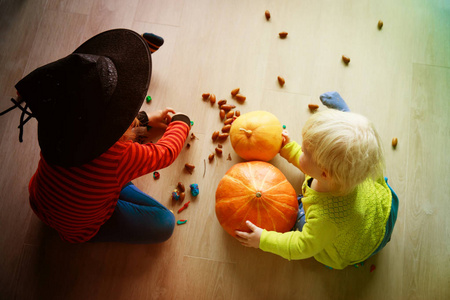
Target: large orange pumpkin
256 136
255 191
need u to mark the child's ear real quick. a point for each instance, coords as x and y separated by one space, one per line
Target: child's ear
325 174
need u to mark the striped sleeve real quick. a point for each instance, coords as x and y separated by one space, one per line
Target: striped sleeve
139 159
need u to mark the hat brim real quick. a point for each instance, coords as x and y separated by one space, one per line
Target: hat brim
131 57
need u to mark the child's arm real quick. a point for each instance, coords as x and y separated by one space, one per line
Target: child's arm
291 152
158 119
314 237
143 159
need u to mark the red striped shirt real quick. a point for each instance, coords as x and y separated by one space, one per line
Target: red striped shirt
77 201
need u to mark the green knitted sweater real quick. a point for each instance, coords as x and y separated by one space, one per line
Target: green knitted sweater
339 230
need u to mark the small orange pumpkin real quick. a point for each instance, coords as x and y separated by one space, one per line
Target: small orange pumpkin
259 192
256 136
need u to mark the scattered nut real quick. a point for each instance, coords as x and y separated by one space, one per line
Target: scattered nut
211 157
193 136
313 107
212 99
229 114
228 121
222 102
222 114
228 107
237 113
283 34
219 151
267 14
281 80
188 145
234 92
226 128
394 142
223 136
345 59
205 96
182 196
190 168
219 145
240 98
215 135
180 186
380 24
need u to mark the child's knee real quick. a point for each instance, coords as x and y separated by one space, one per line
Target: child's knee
167 226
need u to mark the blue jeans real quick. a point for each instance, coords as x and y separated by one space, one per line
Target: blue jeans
137 219
301 218
390 222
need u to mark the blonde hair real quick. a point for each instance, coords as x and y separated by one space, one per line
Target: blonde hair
346 145
130 134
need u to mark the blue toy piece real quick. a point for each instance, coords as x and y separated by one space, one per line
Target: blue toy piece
175 196
194 189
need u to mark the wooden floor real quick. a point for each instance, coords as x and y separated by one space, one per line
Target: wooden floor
398 76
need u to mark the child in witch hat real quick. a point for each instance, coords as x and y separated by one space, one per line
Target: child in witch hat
84 103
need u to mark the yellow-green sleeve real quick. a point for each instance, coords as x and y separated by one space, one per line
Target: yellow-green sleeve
315 236
291 152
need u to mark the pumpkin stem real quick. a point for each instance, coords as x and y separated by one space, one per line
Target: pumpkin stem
248 133
258 194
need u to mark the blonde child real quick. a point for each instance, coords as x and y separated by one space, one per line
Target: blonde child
347 209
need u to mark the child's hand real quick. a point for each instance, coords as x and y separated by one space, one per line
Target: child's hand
286 138
160 118
250 239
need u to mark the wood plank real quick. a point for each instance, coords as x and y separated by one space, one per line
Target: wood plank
398 77
109 14
425 240
15 213
431 27
55 42
166 12
205 279
70 6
